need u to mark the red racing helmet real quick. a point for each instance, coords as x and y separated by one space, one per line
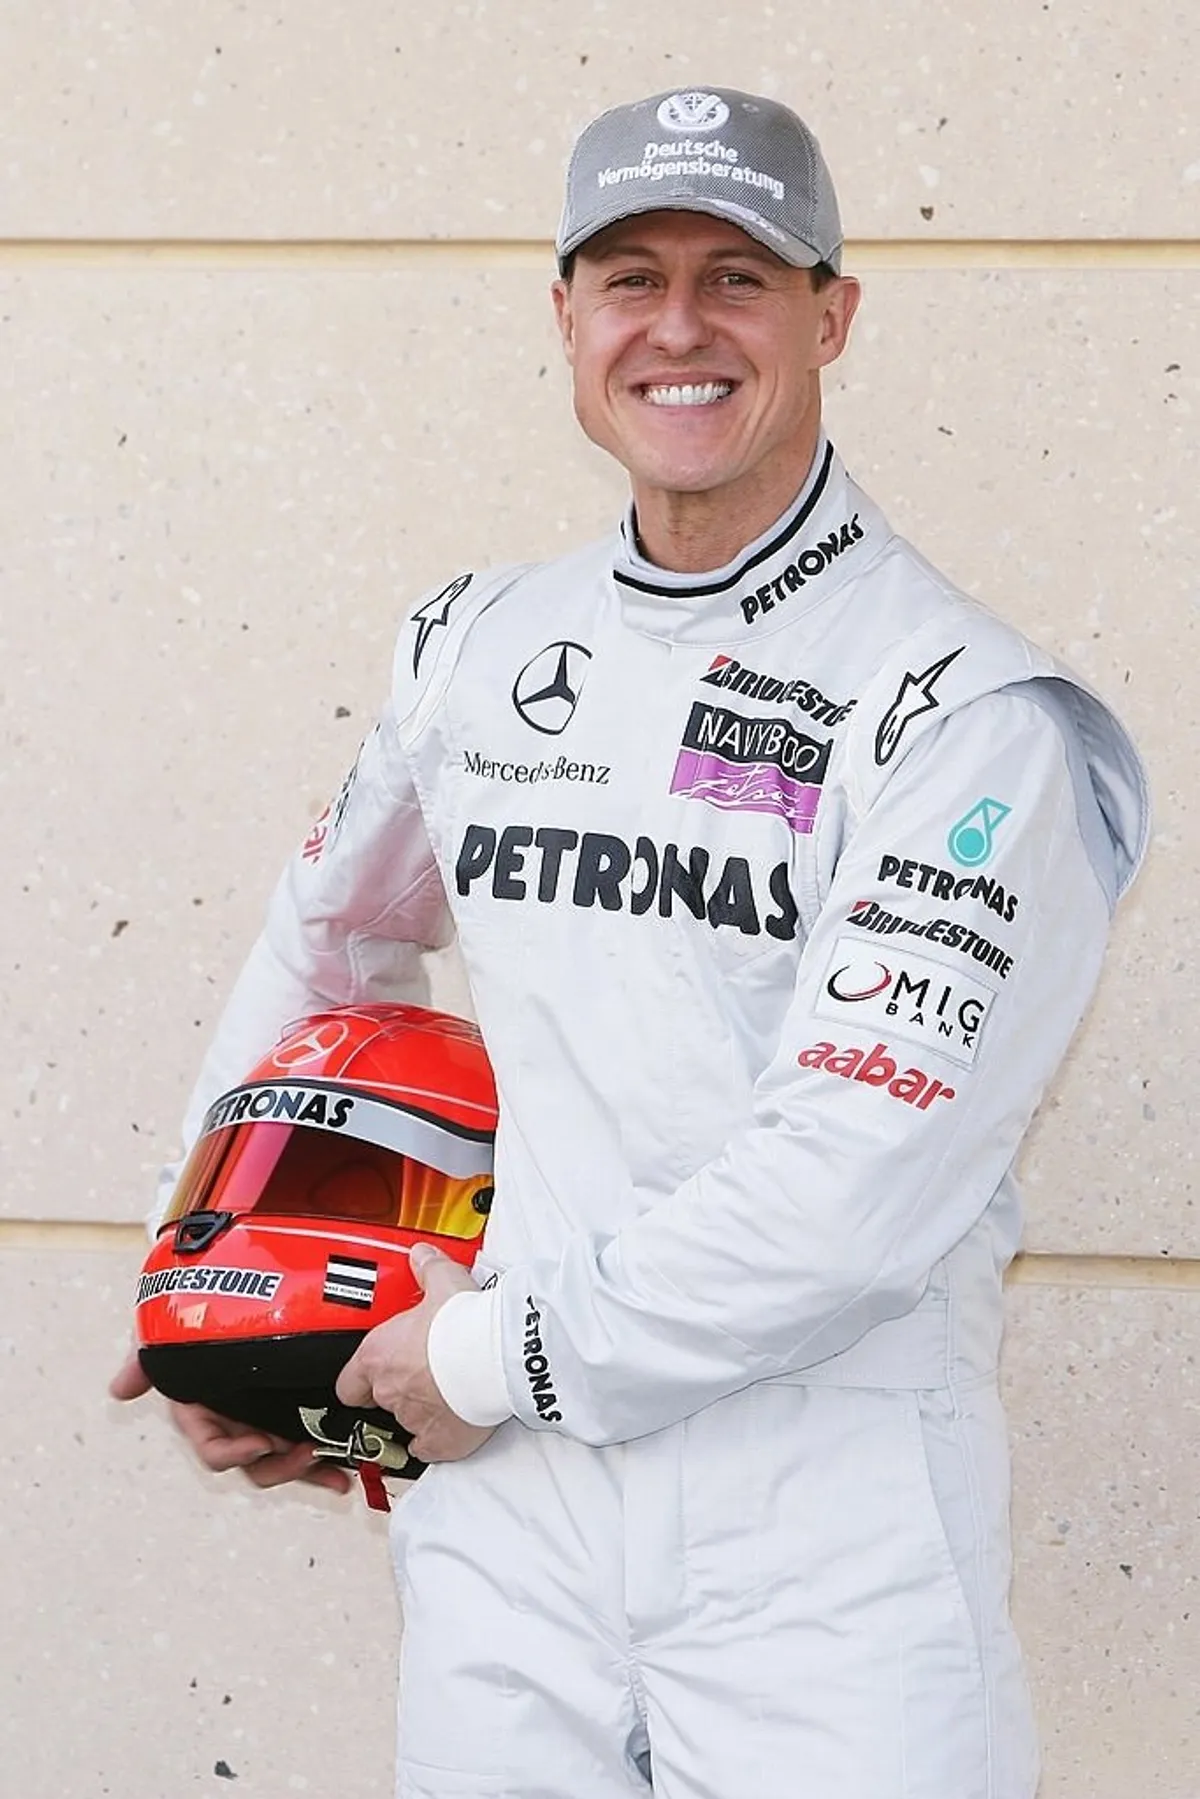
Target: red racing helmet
365 1129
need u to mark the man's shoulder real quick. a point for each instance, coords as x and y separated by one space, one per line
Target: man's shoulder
907 602
940 650
954 652
433 635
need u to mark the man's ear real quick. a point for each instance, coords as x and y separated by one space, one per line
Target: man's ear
564 313
840 303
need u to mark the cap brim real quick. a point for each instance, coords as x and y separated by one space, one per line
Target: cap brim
789 249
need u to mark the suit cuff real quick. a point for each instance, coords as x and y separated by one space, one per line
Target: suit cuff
464 1357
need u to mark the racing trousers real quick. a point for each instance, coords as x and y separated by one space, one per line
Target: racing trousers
798 1593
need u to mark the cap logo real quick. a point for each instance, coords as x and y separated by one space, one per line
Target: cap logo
693 112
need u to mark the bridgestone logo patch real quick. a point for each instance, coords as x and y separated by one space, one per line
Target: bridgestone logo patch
771 690
868 915
229 1283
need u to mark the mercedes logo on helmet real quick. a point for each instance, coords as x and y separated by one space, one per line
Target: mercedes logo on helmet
546 692
321 1040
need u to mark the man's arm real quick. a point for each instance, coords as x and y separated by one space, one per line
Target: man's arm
355 907
860 1167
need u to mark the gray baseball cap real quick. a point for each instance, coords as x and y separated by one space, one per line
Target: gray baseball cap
735 156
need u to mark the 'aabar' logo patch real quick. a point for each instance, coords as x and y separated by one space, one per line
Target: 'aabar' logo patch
876 1068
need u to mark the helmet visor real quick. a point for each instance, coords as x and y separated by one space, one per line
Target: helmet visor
320 1168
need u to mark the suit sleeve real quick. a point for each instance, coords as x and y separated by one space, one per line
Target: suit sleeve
348 920
874 1144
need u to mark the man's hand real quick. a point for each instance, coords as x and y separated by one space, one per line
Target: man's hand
390 1367
221 1443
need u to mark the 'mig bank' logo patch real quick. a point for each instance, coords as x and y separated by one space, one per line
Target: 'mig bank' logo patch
912 997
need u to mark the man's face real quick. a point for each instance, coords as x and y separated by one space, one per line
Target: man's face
696 352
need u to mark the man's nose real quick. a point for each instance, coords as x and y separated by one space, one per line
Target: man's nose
680 323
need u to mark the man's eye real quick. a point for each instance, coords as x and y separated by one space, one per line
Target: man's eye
737 278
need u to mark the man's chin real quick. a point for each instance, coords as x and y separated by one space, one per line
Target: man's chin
653 461
682 480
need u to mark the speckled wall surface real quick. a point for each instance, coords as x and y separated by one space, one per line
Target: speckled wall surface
276 354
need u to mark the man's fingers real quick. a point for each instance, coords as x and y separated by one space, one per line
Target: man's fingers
291 1463
335 1480
446 1438
354 1384
423 1259
129 1382
221 1443
220 1454
439 1275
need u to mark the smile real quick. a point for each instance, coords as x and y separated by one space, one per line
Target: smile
705 393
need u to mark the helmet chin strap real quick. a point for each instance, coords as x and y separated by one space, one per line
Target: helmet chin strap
374 1491
368 1449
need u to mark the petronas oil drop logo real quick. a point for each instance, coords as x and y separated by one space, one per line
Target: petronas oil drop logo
972 840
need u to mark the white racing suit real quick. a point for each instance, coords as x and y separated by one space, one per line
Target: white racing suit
781 891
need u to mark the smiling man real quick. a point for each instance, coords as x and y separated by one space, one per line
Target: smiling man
696 355
782 872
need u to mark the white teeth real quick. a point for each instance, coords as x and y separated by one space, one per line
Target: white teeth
690 394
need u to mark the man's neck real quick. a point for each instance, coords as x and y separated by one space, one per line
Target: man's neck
692 533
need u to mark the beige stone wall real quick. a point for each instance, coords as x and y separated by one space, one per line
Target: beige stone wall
275 354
